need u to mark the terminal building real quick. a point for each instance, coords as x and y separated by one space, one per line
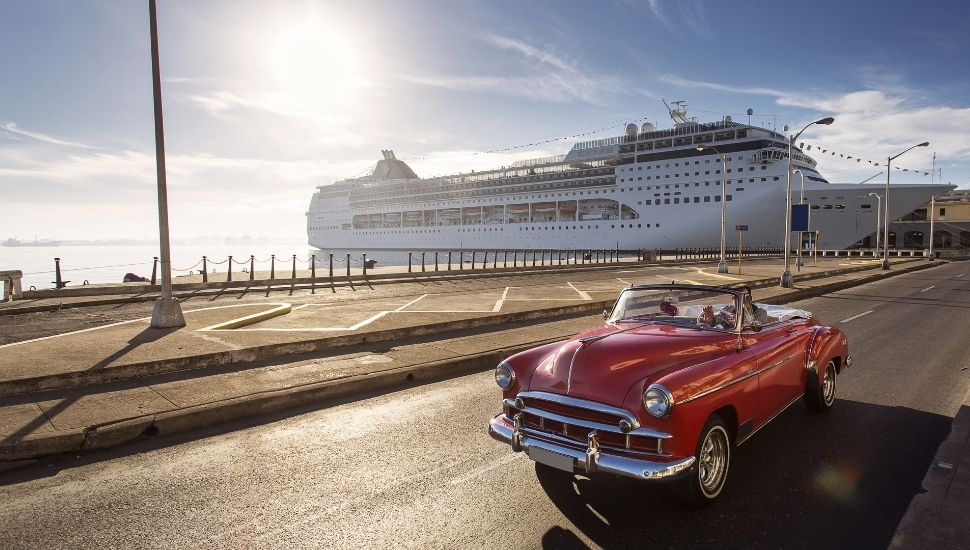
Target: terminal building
951 225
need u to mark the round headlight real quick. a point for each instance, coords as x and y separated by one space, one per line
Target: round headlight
658 401
504 375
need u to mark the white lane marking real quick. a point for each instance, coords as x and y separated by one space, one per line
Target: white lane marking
928 288
628 283
498 303
960 275
300 307
863 314
690 282
582 295
629 271
486 468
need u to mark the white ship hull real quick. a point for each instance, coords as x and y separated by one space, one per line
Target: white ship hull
628 200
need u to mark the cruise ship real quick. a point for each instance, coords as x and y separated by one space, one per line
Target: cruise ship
644 189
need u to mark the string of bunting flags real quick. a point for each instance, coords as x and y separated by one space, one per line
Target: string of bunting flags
832 152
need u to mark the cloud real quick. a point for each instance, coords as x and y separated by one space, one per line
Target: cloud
530 51
553 78
12 128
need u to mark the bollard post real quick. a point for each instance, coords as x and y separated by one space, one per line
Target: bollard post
154 268
505 261
461 260
560 257
293 272
205 270
365 265
494 259
449 260
485 260
409 262
533 258
436 260
58 283
313 266
473 259
229 270
331 269
252 265
422 262
272 266
348 266
515 258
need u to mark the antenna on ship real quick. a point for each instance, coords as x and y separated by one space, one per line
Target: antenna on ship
678 113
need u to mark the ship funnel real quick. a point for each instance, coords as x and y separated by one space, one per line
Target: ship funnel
728 119
631 129
647 127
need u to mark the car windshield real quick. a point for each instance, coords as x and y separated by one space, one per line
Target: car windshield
700 308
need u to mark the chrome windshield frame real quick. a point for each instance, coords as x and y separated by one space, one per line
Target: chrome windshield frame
737 295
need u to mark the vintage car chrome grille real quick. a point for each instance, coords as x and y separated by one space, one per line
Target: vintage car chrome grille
569 421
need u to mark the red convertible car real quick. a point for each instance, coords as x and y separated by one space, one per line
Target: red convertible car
668 386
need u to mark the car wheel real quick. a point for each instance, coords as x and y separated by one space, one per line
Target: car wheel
821 396
707 476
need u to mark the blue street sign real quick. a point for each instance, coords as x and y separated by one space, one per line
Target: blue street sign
740 228
799 217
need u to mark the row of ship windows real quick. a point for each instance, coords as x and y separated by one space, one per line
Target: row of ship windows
687 175
686 200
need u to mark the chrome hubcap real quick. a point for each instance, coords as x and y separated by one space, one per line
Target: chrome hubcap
713 461
828 384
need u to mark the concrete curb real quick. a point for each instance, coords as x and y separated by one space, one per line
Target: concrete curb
112 434
267 351
116 433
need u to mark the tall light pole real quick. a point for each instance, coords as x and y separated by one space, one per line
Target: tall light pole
932 219
722 265
801 199
166 313
885 217
878 214
786 275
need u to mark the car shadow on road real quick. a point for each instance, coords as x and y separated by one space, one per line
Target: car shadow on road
840 480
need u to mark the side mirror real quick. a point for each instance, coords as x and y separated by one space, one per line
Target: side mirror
755 326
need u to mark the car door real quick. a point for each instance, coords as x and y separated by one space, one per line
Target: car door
779 349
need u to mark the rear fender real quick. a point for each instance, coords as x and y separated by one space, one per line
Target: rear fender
826 344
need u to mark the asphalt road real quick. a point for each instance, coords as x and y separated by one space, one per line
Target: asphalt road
416 468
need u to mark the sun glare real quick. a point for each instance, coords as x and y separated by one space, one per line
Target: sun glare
315 66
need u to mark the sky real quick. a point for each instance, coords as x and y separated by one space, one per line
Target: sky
265 101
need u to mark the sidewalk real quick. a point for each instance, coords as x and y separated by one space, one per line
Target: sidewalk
940 517
104 386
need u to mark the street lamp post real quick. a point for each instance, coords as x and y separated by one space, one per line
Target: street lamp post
878 215
932 219
786 275
885 217
722 265
166 313
801 199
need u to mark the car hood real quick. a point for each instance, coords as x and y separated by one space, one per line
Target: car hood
603 364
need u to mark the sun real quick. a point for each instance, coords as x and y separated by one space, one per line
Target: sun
315 65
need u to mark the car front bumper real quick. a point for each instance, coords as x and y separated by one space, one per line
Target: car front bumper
592 459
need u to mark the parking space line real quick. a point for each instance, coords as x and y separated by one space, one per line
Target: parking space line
421 297
688 281
299 307
498 303
960 275
928 288
863 314
582 295
628 283
717 275
505 459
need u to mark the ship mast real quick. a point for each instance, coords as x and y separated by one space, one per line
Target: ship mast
678 113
